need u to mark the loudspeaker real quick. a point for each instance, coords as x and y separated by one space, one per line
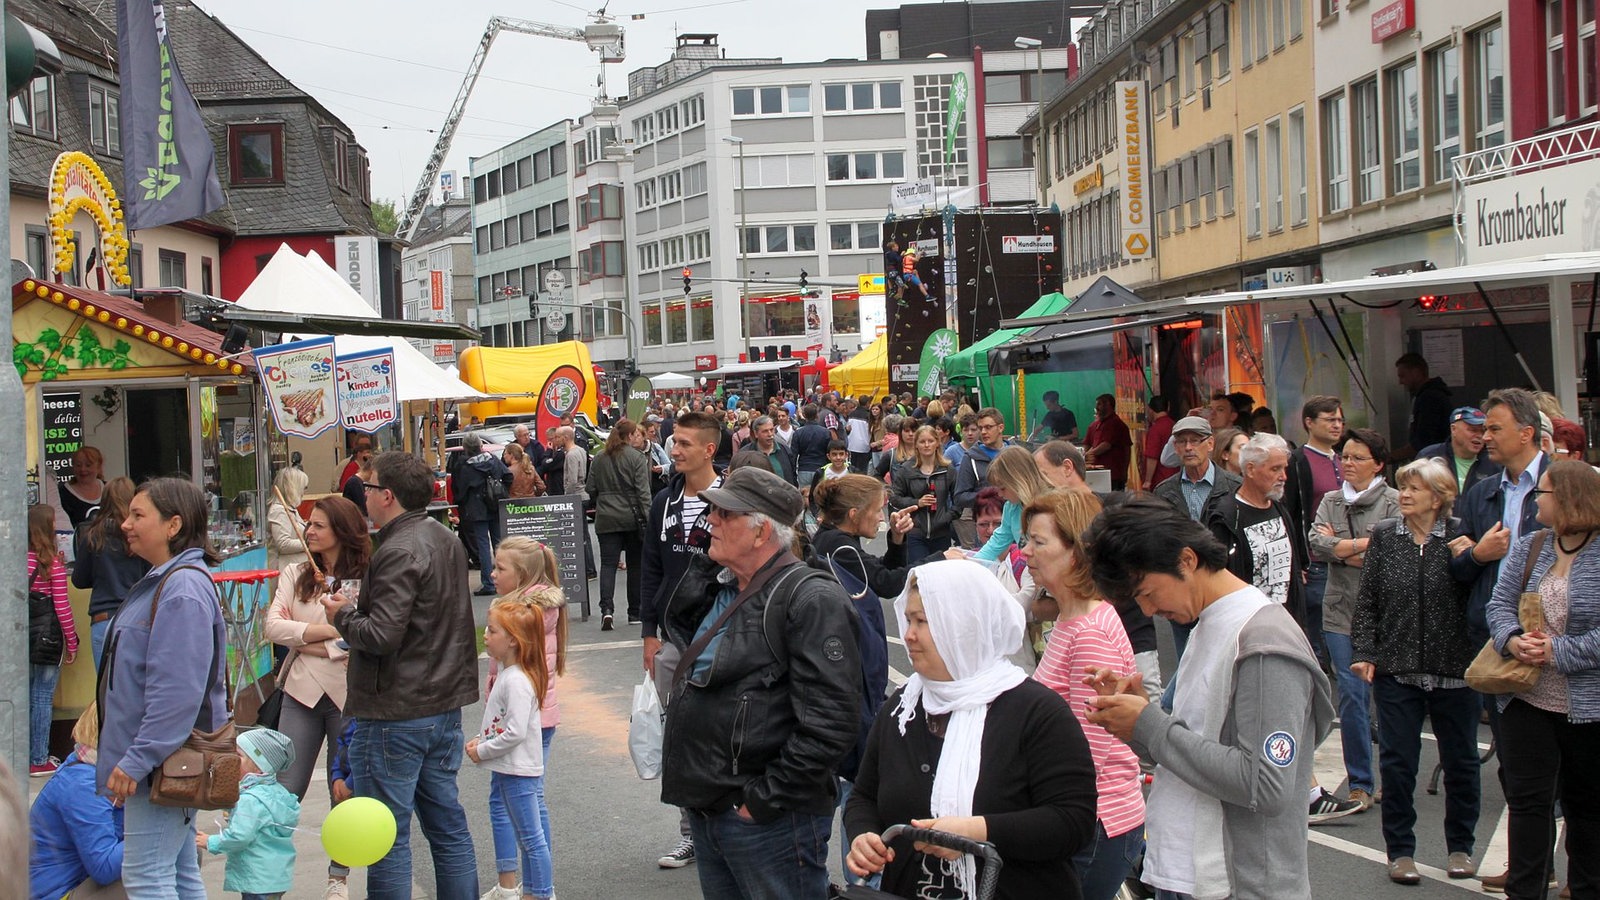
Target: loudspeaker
235 340
771 353
784 353
754 354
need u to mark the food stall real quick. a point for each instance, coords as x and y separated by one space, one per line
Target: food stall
157 395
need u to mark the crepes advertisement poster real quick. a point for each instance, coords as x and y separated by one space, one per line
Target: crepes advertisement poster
367 390
299 379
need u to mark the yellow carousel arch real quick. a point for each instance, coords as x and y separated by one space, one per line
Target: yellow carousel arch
77 184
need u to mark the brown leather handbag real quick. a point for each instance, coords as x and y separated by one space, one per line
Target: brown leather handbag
204 772
1492 673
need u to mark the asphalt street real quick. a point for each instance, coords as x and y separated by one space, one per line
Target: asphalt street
609 827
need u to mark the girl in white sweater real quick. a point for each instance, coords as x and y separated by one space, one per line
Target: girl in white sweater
509 746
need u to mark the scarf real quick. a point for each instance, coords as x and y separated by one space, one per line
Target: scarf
1353 496
974 626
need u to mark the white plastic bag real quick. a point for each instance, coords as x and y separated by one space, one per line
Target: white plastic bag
646 727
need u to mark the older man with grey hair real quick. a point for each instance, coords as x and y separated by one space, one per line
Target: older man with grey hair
1264 547
783 639
764 435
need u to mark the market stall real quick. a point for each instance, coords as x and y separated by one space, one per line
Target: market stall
866 373
155 394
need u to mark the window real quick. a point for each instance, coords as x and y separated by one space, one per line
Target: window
1186 62
172 269
667 120
558 159
33 109
669 186
105 119
37 242
207 280
644 193
1278 22
1225 175
1329 8
677 321
697 246
1368 141
1219 39
1299 190
794 170
497 235
694 111
1587 102
649 257
1252 183
602 260
644 129
1405 128
694 180
672 252
545 218
704 324
136 264
1297 23
1191 188
562 217
777 239
1246 40
1444 70
1555 57
772 101
599 203
863 96
1336 153
1010 153
651 314
889 165
1262 17
514 232
1489 89
482 239
255 155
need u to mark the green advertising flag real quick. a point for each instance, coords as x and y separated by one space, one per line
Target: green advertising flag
638 400
939 346
954 111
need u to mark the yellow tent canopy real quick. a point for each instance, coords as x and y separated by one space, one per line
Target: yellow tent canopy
865 373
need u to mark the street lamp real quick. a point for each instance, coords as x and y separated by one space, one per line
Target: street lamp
744 250
1037 46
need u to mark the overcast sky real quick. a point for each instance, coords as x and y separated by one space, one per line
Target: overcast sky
391 69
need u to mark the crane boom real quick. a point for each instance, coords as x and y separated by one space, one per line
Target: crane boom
601 35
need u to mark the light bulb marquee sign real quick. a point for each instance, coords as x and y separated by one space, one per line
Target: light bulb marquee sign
77 184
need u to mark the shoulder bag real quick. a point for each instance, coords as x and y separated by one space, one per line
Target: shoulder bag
1492 673
204 772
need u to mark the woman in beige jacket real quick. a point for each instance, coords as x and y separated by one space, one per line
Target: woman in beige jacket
284 545
313 677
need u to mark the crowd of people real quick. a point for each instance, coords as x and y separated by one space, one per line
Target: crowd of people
1303 582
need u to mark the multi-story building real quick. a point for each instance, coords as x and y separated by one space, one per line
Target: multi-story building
1403 89
599 290
437 283
795 187
1014 81
522 229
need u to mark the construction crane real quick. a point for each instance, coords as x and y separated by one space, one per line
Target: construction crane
603 36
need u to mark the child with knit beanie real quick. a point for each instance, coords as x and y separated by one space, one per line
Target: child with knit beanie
259 838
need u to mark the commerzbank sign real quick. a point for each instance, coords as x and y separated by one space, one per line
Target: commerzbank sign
1553 210
1133 158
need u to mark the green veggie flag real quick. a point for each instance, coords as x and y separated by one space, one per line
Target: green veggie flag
954 111
940 345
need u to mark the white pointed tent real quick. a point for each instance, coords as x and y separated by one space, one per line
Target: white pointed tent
671 381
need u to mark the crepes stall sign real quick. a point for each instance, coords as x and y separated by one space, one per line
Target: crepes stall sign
366 390
299 380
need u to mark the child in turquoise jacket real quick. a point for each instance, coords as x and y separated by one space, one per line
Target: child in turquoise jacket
259 838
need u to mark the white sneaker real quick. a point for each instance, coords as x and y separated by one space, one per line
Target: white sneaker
502 893
681 855
336 890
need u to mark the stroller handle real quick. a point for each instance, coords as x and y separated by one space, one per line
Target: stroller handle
987 883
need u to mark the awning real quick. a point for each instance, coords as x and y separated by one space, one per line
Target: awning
966 365
752 368
865 373
308 323
1534 271
1048 335
671 381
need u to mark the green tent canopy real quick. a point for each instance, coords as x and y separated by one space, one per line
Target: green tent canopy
969 366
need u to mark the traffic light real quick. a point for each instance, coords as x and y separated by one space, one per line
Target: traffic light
688 282
29 54
802 281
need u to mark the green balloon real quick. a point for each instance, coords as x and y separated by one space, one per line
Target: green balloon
358 832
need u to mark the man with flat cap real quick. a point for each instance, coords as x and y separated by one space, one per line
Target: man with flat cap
766 698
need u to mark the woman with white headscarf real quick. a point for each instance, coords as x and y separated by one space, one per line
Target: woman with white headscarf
971 746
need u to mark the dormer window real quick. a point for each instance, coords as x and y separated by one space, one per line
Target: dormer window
33 110
105 119
255 154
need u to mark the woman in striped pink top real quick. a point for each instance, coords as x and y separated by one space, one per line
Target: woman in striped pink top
1088 635
47 575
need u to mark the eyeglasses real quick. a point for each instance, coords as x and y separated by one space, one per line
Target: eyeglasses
1537 491
718 512
374 487
1355 459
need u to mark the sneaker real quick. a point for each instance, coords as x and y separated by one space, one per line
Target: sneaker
681 855
633 619
1361 797
44 769
1327 807
605 622
502 893
336 890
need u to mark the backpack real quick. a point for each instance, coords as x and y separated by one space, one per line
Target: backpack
46 642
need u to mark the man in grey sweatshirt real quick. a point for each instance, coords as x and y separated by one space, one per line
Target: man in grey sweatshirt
1226 815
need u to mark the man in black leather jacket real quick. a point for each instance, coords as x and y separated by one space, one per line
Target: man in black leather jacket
413 665
765 701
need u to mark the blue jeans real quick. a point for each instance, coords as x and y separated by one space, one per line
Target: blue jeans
1103 864
260 896
479 533
519 830
1355 718
1316 587
159 861
779 860
546 735
41 710
919 548
97 640
1454 714
411 765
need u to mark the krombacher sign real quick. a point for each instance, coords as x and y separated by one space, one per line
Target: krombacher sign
1548 211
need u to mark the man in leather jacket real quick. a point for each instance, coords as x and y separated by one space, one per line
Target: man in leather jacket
765 701
413 665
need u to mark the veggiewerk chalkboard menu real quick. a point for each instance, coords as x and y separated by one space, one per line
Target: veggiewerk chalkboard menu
557 522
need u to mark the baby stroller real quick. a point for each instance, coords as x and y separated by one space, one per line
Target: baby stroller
987 882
